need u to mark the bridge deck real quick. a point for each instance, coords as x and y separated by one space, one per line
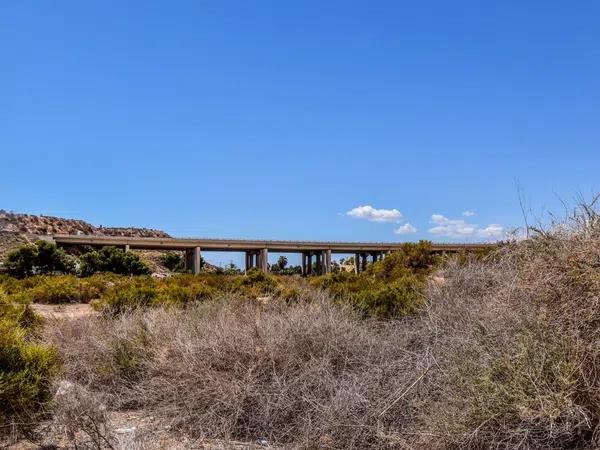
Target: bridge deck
249 244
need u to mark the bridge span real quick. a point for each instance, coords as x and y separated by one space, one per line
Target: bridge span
257 251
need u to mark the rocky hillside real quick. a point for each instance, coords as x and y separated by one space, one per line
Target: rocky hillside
32 225
17 229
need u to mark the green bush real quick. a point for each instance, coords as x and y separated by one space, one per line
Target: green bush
255 283
412 258
173 262
40 258
398 298
524 392
127 295
15 308
131 293
56 289
390 287
26 367
179 295
112 259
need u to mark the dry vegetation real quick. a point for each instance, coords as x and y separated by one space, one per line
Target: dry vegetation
503 353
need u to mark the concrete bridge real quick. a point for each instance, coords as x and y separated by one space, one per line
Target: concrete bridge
257 251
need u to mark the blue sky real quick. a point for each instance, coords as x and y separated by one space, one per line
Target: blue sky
282 119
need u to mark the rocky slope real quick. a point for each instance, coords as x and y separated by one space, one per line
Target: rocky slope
29 224
18 229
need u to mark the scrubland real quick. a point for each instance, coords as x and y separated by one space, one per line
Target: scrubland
500 351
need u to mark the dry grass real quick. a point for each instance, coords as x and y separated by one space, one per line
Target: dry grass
518 339
504 355
312 375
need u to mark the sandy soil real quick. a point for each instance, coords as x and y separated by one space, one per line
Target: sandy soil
64 311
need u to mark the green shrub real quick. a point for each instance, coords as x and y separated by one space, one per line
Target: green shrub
527 390
40 258
21 262
175 294
56 289
26 367
390 287
15 308
412 258
255 283
287 293
173 261
112 259
131 293
398 298
127 295
10 284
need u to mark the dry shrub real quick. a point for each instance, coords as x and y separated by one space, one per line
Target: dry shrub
81 418
504 355
517 337
314 375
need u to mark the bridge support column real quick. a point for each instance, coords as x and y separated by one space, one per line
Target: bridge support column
126 247
193 260
248 263
363 262
254 259
197 260
264 260
188 259
319 262
356 263
309 266
327 261
304 268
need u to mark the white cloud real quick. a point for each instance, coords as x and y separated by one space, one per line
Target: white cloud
493 230
405 229
375 215
468 213
460 228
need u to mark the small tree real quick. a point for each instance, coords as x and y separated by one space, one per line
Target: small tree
173 262
40 258
112 259
282 262
21 262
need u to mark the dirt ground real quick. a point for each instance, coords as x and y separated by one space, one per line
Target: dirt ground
64 311
133 430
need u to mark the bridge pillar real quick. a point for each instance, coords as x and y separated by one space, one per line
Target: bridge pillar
193 260
189 259
327 261
356 263
197 260
253 259
319 262
126 247
264 260
309 265
304 268
248 263
363 263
